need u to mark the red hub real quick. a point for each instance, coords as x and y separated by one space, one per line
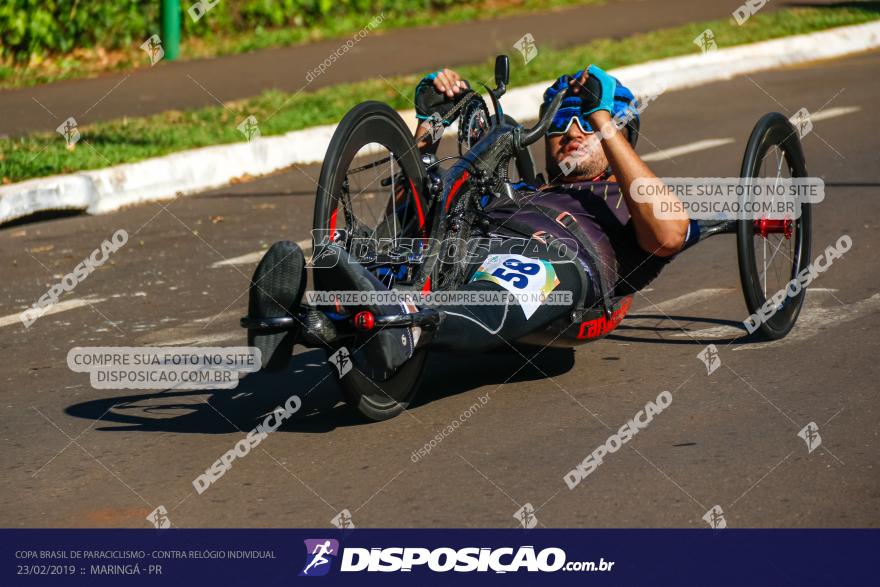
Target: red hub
364 320
765 226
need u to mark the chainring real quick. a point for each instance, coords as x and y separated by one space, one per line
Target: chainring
473 124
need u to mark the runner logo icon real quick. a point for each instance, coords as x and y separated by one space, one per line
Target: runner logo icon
320 554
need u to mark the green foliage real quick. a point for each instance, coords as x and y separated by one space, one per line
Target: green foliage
37 28
135 139
40 27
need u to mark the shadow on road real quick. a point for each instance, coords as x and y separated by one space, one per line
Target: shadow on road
723 332
42 216
308 375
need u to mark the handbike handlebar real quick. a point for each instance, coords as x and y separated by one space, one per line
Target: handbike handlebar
529 136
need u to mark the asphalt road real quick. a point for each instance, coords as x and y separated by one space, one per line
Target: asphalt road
208 82
76 456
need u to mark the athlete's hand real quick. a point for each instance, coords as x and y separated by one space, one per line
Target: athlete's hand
448 82
596 90
438 92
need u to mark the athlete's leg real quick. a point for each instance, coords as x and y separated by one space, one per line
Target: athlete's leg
483 327
335 270
463 327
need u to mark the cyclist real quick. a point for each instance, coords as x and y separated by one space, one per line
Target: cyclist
620 245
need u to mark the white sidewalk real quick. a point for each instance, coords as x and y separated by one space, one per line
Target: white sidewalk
187 172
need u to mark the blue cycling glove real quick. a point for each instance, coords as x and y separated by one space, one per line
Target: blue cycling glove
598 93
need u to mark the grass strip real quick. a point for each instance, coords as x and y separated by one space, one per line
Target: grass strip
91 61
134 139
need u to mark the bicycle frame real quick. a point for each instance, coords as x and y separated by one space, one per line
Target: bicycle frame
479 172
473 175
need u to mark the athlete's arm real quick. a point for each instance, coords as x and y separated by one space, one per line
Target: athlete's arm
661 237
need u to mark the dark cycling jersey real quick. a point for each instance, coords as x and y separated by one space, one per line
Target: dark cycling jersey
595 216
602 265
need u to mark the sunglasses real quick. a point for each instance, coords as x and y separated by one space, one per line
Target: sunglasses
564 119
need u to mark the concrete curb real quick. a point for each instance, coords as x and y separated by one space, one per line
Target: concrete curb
187 172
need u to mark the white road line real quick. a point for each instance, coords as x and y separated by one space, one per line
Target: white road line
661 155
240 260
193 332
682 301
688 148
812 319
251 258
833 112
672 152
54 309
731 331
723 331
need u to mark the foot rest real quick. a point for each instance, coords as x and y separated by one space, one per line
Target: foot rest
427 318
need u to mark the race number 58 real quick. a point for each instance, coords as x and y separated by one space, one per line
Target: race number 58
517 272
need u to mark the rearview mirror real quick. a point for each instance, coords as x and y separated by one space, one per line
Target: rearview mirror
502 71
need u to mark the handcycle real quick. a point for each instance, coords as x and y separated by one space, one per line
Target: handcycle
376 187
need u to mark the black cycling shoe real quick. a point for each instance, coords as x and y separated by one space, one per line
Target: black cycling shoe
384 350
276 290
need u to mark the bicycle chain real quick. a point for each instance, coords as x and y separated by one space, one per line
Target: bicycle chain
453 114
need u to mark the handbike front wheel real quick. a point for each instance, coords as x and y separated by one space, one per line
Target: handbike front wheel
379 400
371 189
372 182
773 252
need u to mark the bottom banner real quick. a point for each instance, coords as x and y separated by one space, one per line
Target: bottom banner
365 557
